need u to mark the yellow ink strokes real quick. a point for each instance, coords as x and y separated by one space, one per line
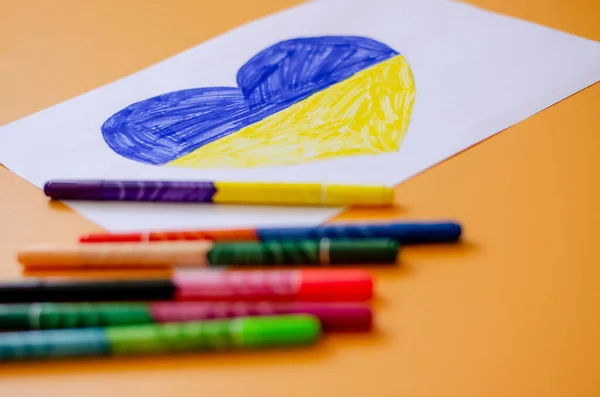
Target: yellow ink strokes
366 114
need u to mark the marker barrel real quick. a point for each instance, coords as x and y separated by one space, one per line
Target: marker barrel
116 255
239 333
210 235
38 316
36 290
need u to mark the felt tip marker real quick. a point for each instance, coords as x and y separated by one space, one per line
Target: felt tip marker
214 335
207 254
318 285
343 317
404 233
309 194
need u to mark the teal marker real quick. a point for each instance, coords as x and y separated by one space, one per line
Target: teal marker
239 333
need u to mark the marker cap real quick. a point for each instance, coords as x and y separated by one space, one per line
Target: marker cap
53 344
277 330
344 317
335 285
363 251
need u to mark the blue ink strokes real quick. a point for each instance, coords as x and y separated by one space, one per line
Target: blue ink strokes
161 129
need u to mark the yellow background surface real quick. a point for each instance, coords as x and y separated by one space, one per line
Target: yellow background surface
513 311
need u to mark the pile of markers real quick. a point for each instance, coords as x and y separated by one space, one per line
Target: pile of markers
206 308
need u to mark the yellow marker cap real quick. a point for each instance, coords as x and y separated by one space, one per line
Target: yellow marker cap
358 195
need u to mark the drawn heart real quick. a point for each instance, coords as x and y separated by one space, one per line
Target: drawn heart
298 101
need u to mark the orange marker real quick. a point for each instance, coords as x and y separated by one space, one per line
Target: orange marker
208 253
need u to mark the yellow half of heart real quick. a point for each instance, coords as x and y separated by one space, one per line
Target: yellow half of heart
366 114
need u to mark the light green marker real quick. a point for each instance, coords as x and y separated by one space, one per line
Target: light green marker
240 333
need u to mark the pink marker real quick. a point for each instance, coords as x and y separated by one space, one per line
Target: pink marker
344 317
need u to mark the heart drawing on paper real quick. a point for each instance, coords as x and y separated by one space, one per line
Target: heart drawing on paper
298 101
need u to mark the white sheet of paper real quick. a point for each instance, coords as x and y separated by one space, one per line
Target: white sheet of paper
476 73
